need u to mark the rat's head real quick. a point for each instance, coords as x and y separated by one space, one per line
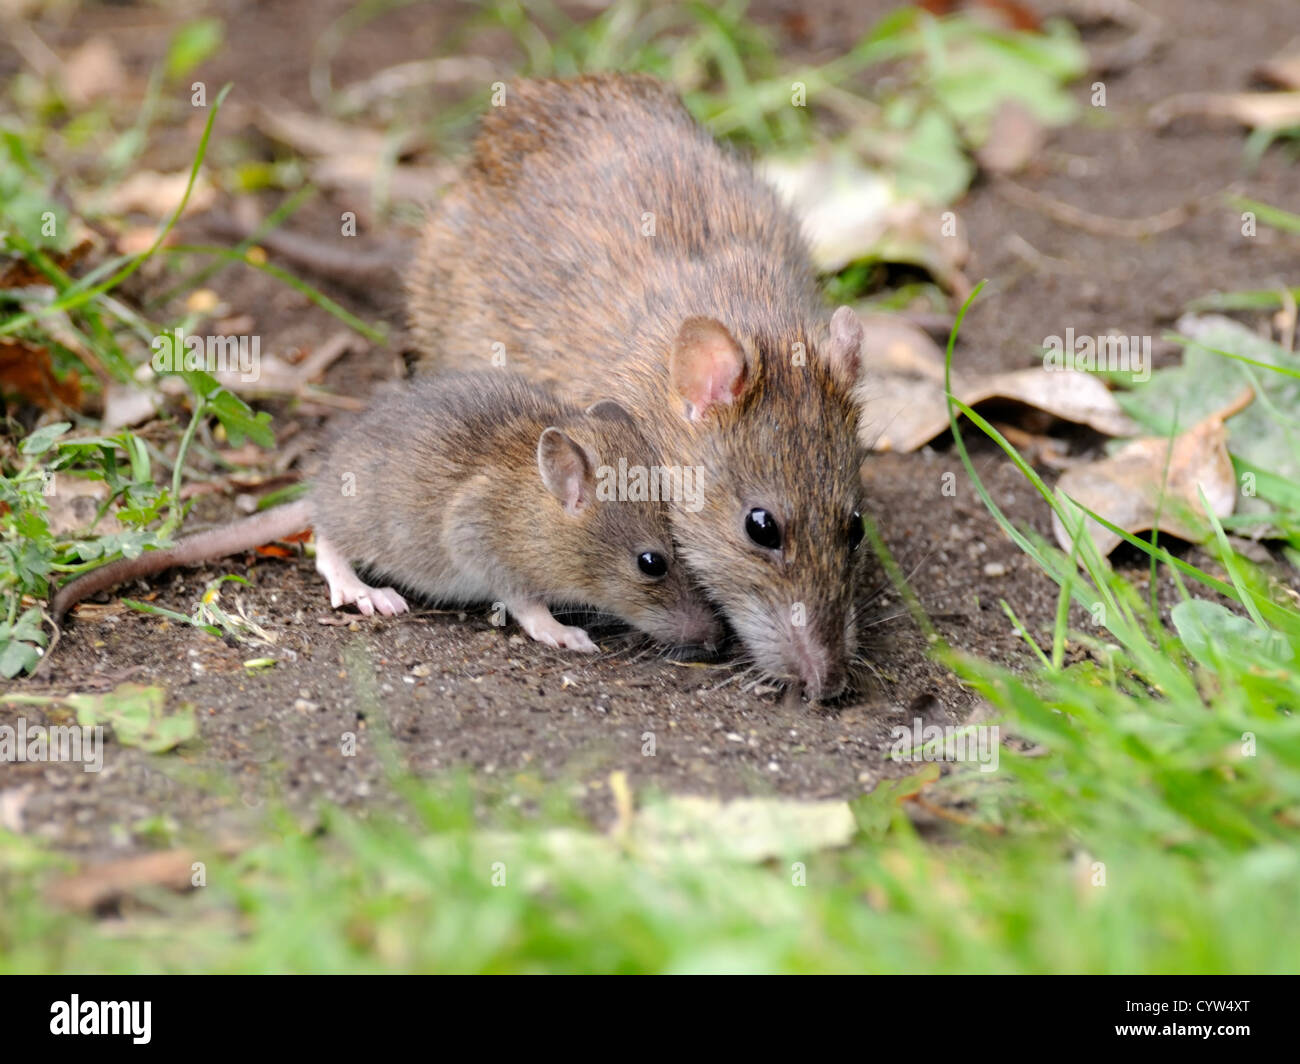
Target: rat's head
618 545
778 538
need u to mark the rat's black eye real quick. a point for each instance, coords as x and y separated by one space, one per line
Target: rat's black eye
652 563
762 528
856 531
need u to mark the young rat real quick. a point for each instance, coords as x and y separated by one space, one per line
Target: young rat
603 242
476 487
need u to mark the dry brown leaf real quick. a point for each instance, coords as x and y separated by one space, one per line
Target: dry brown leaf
1015 137
1283 69
101 884
137 239
358 173
317 137
905 405
93 70
1157 477
395 81
1272 110
353 158
72 506
158 195
12 802
278 375
19 273
26 370
126 405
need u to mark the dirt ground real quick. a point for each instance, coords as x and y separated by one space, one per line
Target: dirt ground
453 692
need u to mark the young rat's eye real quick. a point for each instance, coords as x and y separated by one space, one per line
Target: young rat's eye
762 528
652 563
856 531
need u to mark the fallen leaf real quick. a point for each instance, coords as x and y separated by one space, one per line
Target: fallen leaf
158 195
1283 69
1156 479
26 371
852 213
1205 627
12 802
353 158
746 829
72 505
1016 135
874 811
1265 436
137 239
19 273
905 406
360 173
102 884
125 405
93 71
1006 14
1259 110
316 137
137 715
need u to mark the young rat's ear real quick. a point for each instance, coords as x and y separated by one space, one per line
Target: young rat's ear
611 410
568 470
844 349
707 366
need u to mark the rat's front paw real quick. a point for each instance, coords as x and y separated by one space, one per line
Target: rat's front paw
382 600
539 624
347 588
568 638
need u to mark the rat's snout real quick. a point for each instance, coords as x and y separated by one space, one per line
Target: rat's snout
693 623
819 664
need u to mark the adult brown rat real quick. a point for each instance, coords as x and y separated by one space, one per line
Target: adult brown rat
475 487
604 244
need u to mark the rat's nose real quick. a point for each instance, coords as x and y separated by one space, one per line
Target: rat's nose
820 668
698 627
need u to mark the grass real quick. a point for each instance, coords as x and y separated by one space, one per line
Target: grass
1145 819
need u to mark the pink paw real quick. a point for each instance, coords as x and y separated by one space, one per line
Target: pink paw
347 588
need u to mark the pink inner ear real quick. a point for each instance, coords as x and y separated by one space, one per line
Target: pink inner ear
573 498
844 352
563 470
708 365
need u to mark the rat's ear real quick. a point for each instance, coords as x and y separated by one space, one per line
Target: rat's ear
568 470
707 367
844 348
611 410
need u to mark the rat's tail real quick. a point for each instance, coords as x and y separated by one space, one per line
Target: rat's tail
241 535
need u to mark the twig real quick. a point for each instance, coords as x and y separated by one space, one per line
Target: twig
1097 224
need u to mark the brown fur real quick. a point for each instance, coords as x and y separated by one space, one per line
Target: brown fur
540 248
456 490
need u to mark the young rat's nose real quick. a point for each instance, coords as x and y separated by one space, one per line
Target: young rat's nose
698 627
